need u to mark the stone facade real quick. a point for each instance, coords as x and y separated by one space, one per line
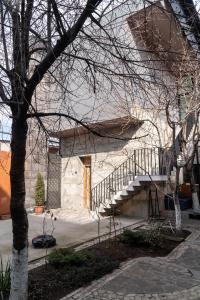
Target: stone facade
138 206
106 154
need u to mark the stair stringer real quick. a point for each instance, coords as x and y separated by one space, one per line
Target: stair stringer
128 192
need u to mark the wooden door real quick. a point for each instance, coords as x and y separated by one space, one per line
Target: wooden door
86 181
4 183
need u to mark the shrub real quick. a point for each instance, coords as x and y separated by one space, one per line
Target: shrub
4 279
39 191
133 237
67 257
141 237
154 237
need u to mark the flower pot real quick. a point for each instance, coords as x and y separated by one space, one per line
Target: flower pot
39 209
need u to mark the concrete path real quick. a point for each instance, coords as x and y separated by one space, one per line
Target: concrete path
175 277
72 229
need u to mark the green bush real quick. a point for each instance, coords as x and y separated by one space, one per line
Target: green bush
133 237
67 257
154 237
39 191
4 279
141 238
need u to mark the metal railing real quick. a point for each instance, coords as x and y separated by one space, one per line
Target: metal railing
146 161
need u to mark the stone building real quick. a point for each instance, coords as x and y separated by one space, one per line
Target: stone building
158 35
96 166
107 170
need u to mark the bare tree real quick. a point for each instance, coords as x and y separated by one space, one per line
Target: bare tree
60 41
182 114
59 24
178 102
39 37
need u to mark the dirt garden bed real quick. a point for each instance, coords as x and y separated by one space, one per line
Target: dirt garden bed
68 270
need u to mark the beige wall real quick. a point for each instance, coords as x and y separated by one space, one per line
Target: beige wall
106 154
139 204
155 126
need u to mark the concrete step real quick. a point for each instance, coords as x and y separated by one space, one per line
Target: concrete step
135 183
110 211
122 193
111 206
146 178
122 197
106 205
130 189
101 208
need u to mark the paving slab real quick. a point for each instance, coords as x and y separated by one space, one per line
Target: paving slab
67 233
149 276
190 259
175 277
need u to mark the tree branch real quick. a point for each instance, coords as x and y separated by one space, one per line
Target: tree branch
2 94
25 37
60 26
3 37
60 46
88 127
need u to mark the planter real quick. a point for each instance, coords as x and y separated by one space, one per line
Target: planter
69 269
38 210
173 238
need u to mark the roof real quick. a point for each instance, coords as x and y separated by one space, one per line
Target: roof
122 123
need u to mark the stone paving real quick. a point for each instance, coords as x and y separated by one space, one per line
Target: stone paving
69 230
175 277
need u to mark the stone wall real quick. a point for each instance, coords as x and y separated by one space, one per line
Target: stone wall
139 204
36 162
106 154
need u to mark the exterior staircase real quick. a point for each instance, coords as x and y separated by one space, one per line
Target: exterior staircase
143 167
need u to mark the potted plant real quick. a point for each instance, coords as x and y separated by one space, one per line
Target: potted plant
39 195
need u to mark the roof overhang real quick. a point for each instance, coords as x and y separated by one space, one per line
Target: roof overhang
123 124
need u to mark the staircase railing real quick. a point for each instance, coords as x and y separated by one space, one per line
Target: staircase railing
146 161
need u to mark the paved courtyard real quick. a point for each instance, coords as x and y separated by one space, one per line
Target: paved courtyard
71 228
175 277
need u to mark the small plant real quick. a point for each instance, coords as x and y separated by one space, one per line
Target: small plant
39 191
155 238
4 279
67 257
141 237
133 237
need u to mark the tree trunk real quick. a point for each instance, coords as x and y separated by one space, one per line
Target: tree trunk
195 198
177 203
19 272
178 215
